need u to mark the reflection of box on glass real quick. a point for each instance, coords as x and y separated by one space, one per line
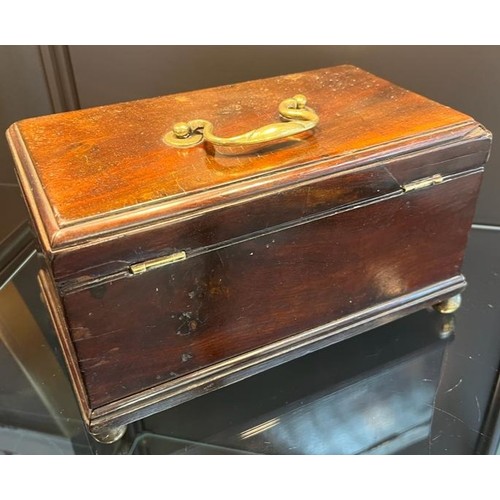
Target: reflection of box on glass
382 413
372 394
182 261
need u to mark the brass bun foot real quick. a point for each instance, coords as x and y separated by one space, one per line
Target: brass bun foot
109 435
450 305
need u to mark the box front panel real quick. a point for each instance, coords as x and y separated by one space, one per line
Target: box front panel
235 220
281 204
137 332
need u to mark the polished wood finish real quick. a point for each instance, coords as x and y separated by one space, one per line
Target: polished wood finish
163 396
287 250
257 215
114 155
303 200
54 306
236 298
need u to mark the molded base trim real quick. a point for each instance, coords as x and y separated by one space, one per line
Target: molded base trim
202 381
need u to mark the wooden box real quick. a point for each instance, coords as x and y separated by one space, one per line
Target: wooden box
174 270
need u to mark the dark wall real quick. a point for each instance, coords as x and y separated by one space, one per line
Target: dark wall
23 93
466 78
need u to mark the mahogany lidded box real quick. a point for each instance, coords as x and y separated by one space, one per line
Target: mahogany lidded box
195 239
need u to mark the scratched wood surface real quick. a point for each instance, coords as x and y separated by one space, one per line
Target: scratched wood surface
242 220
297 202
137 332
278 242
97 170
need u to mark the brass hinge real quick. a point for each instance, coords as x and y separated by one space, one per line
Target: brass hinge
423 183
147 265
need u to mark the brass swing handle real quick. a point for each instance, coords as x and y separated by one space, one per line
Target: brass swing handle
297 119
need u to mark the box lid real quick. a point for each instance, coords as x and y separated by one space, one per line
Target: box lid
97 172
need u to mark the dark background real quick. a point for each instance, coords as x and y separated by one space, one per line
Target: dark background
38 80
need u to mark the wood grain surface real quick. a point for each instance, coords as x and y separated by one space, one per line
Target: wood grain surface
281 242
97 171
137 332
83 263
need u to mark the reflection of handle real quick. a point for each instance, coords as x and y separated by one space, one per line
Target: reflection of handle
297 118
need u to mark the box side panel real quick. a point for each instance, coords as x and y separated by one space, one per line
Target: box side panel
41 214
472 151
134 333
54 307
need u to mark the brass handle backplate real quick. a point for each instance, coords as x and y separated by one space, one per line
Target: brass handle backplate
297 118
